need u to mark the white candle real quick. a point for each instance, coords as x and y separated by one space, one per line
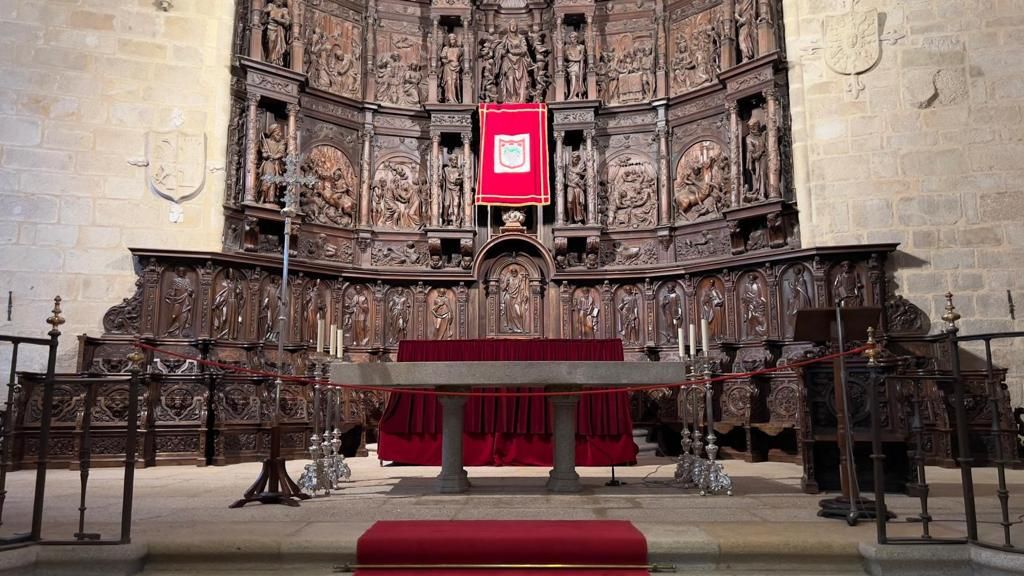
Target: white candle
705 335
319 333
679 340
341 342
333 339
693 341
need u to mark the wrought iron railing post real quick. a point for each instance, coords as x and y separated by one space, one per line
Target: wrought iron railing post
131 445
85 459
877 456
994 397
963 455
55 321
8 426
917 432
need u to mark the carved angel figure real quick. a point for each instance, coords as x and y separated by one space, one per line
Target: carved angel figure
277 23
450 57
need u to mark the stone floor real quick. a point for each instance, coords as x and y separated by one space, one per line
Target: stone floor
181 508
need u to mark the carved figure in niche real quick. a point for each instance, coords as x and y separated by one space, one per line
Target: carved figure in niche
488 70
609 89
746 26
319 52
629 315
700 181
541 80
397 197
399 309
310 310
332 199
575 67
441 310
672 312
450 57
515 299
798 297
228 306
412 79
277 23
270 306
181 298
451 198
712 304
754 307
357 316
757 161
512 53
588 314
575 189
273 149
631 189
645 54
847 288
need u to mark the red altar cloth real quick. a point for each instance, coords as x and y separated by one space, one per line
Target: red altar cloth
507 431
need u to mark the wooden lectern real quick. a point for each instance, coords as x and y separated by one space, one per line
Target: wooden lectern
839 325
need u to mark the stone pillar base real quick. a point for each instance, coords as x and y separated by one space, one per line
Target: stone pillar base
456 483
564 482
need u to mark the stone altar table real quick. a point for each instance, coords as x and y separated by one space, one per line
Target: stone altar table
552 376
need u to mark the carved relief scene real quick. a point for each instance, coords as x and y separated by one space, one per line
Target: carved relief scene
334 47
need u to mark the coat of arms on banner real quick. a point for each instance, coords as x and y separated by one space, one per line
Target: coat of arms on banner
512 153
177 164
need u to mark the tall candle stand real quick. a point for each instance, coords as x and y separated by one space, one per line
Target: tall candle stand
714 479
316 475
687 460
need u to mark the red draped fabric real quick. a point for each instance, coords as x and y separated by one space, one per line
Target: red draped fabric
507 431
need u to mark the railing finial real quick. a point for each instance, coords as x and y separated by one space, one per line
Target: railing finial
56 320
950 316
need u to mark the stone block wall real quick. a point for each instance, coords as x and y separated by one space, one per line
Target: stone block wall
81 84
924 145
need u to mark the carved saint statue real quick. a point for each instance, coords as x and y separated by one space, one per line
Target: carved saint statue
711 305
848 289
310 310
746 26
180 297
575 67
228 307
513 54
757 161
277 22
575 189
488 71
451 194
399 309
441 310
672 313
798 297
754 307
541 80
451 70
357 317
629 315
273 149
270 306
515 297
587 314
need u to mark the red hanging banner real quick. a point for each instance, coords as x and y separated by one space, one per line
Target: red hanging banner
513 155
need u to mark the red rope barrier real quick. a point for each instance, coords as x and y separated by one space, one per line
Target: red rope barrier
498 394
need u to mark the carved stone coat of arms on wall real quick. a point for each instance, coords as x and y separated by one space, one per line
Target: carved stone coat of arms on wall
176 168
853 45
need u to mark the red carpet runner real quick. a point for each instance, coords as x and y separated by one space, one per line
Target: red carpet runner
594 543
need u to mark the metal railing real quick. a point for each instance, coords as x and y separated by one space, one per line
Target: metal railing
963 453
46 402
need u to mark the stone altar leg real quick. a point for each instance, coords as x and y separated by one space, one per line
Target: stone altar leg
563 477
453 478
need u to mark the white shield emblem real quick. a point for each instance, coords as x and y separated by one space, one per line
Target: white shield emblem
852 43
511 153
177 164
